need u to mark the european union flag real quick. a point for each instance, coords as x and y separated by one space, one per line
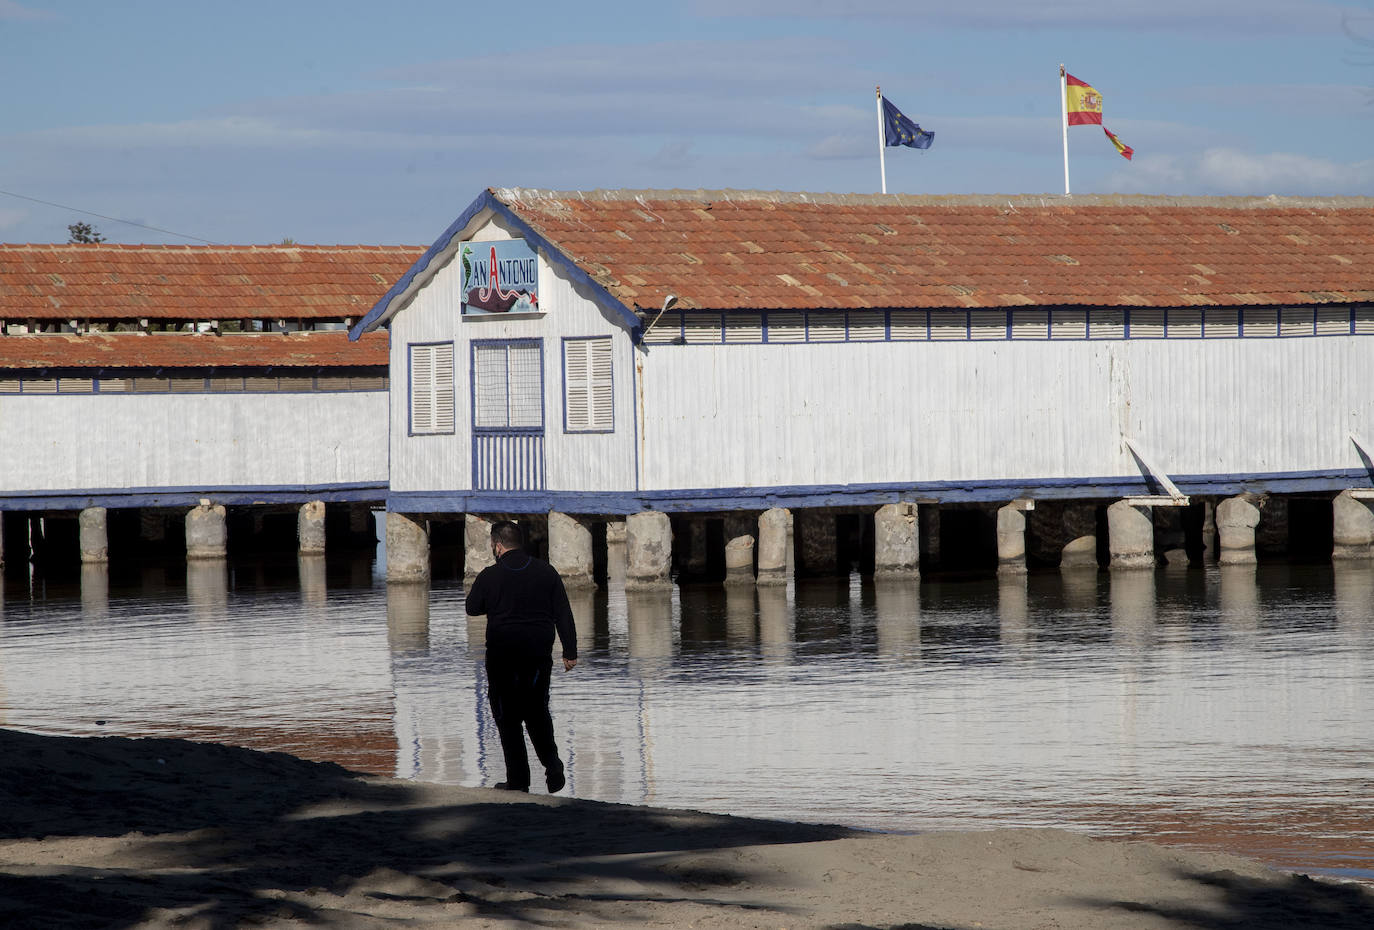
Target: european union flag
898 130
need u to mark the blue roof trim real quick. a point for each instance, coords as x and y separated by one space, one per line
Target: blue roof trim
715 500
369 322
488 200
190 496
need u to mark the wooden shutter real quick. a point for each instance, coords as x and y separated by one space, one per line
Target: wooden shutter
431 389
588 394
577 394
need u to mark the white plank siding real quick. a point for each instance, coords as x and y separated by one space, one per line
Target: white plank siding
83 442
795 416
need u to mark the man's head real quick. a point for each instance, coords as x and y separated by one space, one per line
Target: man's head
506 535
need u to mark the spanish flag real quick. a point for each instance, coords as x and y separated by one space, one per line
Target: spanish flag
1125 150
1082 102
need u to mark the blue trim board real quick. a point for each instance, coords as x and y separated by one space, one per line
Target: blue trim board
709 500
237 495
425 268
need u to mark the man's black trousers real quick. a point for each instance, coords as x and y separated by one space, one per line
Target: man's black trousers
518 687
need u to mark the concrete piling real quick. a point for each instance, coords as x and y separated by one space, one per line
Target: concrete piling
1352 527
1237 518
310 528
1011 539
1131 536
206 535
92 527
476 547
773 546
896 541
739 561
649 548
407 548
570 550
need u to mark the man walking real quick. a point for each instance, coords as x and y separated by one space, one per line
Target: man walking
525 602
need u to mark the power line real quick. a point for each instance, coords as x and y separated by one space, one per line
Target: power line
113 219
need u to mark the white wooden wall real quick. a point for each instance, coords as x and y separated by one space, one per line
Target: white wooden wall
799 415
70 442
579 462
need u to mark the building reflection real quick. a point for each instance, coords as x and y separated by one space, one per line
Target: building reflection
1354 595
311 572
1013 611
1238 600
407 619
777 624
897 607
207 589
1080 586
95 591
1132 596
649 620
741 615
583 604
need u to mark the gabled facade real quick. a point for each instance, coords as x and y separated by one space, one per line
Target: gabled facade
709 351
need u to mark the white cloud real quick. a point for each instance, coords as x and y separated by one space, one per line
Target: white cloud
1225 17
1228 171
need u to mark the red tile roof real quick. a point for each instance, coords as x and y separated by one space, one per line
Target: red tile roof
186 350
196 282
734 250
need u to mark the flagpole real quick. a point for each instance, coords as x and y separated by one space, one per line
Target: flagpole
882 159
1064 121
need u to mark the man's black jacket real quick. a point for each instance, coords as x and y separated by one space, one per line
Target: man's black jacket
525 602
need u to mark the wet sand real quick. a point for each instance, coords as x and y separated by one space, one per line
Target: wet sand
114 832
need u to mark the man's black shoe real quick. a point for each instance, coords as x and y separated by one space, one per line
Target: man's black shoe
555 780
507 786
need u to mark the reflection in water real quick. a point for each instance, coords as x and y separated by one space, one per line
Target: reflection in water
311 571
1013 609
583 604
1238 597
1132 597
649 618
207 589
1354 594
777 623
95 591
1080 587
897 606
741 616
407 618
1221 708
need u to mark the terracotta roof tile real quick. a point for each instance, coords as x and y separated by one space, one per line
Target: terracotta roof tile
102 281
740 250
185 350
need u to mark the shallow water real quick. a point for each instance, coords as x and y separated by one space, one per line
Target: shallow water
1228 709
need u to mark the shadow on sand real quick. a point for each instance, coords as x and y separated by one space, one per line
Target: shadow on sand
224 836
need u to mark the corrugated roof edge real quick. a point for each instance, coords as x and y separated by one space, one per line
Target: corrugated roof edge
518 194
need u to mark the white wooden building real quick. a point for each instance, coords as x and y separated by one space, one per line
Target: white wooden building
851 350
149 377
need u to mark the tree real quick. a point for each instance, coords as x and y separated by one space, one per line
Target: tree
84 232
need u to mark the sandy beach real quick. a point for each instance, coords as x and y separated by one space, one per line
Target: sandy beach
114 832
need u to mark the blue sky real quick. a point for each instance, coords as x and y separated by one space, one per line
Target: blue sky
343 121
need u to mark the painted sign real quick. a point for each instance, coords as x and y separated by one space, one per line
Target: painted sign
499 277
